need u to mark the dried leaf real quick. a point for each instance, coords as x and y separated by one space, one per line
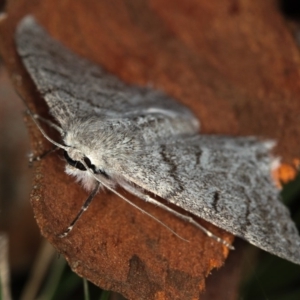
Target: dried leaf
237 69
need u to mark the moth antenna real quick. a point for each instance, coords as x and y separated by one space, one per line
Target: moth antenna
49 123
137 192
44 133
132 204
34 117
166 208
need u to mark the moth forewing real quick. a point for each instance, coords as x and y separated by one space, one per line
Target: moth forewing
145 141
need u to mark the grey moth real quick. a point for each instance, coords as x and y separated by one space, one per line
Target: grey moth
142 140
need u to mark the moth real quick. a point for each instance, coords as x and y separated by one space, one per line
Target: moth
142 140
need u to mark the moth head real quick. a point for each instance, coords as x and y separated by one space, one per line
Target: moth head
81 167
76 161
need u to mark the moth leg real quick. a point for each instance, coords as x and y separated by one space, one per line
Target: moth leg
84 207
137 192
32 158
